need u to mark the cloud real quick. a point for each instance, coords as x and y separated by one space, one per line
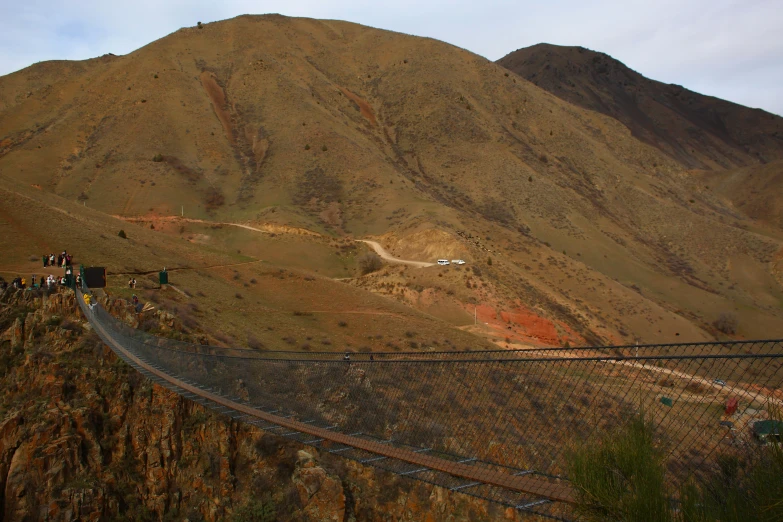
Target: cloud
726 48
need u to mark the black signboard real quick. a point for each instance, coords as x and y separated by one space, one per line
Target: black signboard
95 276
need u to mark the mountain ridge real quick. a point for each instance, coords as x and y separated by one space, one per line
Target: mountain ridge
697 130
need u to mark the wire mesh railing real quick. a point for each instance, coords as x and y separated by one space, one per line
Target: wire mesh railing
511 413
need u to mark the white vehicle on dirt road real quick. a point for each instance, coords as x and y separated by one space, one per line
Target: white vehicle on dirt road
457 261
443 262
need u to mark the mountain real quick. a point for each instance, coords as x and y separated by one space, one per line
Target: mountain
696 130
574 229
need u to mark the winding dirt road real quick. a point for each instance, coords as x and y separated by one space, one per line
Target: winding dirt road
390 258
302 231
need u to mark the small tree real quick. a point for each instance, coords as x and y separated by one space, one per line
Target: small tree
370 262
726 323
489 261
122 234
157 158
200 26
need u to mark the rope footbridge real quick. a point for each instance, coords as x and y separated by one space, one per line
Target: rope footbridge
496 425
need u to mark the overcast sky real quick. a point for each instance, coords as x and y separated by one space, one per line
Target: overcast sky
726 48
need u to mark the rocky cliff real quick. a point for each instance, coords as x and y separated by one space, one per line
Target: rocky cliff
85 437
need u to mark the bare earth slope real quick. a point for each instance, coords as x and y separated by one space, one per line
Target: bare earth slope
699 131
352 131
755 190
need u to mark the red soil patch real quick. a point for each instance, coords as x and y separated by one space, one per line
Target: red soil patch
524 325
364 107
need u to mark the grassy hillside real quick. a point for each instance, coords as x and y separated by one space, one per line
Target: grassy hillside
349 131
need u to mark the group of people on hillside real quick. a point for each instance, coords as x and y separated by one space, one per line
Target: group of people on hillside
64 260
61 260
35 282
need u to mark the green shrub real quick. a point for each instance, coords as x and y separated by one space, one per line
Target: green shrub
307 147
122 234
622 477
157 158
257 511
747 486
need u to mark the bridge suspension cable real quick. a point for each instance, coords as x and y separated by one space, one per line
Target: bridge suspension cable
493 424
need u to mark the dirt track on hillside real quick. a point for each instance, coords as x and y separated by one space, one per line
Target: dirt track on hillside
728 389
268 229
390 258
374 244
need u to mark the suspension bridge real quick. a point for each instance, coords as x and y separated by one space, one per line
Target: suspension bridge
497 425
